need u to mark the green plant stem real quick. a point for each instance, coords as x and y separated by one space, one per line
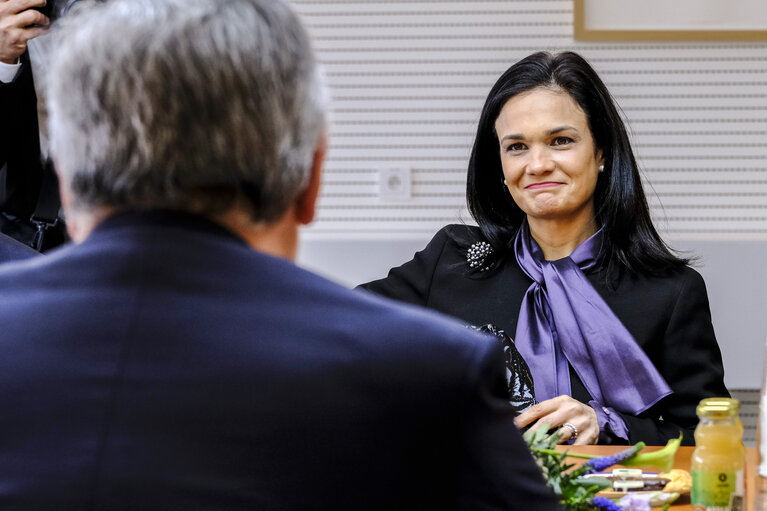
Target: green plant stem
565 453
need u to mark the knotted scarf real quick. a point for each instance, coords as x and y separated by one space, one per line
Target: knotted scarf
563 318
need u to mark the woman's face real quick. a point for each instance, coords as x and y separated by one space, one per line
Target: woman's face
549 160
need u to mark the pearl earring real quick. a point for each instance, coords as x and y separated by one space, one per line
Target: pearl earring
601 168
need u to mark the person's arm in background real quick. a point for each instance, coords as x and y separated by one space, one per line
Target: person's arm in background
20 165
18 24
8 72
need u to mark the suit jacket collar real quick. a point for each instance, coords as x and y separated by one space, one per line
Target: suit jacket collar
164 218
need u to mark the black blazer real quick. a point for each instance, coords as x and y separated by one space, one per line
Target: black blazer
28 185
20 162
163 364
668 316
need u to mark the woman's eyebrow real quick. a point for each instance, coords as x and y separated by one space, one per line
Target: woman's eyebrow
562 128
520 136
513 136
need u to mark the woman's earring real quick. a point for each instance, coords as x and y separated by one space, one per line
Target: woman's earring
602 168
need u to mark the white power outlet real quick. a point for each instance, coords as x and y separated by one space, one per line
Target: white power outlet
394 183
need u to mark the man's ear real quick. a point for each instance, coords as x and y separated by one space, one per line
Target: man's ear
307 200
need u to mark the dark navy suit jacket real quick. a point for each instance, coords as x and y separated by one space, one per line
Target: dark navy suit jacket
11 250
164 365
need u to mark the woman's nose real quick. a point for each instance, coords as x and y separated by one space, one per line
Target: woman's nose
540 161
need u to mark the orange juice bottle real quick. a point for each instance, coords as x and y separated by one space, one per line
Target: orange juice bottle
719 456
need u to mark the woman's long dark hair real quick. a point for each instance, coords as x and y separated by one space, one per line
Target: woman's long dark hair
632 243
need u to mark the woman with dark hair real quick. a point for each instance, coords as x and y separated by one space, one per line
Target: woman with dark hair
615 328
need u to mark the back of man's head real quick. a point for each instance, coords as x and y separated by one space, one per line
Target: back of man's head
185 104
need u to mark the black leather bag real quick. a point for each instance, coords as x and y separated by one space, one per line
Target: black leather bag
44 229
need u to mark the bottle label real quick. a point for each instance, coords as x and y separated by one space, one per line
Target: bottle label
713 490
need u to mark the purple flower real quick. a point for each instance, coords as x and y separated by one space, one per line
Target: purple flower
604 504
600 464
636 502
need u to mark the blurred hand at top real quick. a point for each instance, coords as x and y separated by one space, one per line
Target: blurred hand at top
18 24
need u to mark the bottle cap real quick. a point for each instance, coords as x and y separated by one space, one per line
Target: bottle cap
718 407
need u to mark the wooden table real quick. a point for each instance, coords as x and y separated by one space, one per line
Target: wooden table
682 460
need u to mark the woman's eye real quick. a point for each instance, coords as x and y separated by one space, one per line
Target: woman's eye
517 146
562 141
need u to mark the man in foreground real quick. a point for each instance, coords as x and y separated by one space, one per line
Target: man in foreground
175 358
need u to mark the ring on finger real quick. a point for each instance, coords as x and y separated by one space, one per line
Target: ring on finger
572 428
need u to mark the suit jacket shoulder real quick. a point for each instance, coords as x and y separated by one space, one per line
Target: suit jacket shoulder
12 250
167 342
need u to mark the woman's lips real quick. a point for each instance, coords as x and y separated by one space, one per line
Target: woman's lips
545 184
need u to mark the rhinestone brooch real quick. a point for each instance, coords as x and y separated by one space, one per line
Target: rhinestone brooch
477 254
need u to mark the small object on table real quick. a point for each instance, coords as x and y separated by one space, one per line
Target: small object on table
628 485
680 481
626 480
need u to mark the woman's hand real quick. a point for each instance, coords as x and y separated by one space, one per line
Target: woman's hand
560 410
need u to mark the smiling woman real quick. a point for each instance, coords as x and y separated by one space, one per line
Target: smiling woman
615 328
550 164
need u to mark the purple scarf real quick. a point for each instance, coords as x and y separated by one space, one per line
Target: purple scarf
563 319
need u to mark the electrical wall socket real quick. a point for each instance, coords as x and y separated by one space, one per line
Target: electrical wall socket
394 183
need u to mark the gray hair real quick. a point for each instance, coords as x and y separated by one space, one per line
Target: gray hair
185 104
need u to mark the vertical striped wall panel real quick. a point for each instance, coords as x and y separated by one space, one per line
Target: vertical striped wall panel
408 79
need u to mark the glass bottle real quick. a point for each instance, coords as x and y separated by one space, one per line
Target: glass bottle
760 477
719 457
